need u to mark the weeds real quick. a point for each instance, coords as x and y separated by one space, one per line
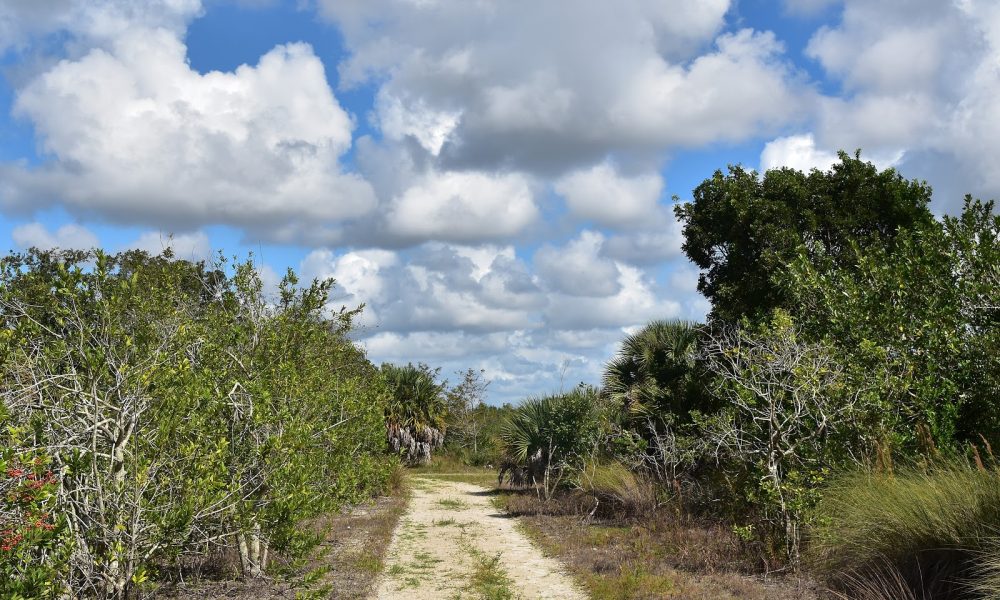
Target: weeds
452 504
490 581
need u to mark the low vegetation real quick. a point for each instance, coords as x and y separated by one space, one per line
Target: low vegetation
834 416
832 420
157 413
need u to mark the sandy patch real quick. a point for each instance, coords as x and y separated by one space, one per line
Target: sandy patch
450 526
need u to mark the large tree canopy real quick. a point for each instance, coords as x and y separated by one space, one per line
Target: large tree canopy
742 229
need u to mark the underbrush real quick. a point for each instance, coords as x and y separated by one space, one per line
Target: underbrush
349 560
680 542
929 533
663 555
617 492
449 466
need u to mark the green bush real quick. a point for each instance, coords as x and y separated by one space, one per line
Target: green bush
179 407
547 439
33 546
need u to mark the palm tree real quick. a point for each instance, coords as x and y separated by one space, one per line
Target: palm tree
650 375
415 414
545 437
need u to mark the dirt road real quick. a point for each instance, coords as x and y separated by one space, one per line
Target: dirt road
453 543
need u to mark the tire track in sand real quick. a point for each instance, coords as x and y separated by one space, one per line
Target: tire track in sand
446 531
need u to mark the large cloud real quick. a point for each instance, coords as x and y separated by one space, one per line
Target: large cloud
920 80
577 269
532 327
547 85
132 132
89 21
602 195
70 236
463 207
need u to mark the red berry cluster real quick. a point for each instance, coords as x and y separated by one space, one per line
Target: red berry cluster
9 539
24 486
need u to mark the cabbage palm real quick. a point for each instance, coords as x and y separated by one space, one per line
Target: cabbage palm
651 372
415 415
549 434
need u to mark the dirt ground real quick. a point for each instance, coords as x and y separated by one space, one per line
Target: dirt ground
346 565
634 563
453 543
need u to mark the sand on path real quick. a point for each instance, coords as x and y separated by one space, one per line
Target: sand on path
448 529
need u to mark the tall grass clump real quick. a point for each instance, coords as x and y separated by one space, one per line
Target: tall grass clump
927 530
617 491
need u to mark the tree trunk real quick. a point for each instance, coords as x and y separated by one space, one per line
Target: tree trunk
253 552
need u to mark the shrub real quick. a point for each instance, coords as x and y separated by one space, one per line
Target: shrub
618 492
178 408
925 528
32 544
547 439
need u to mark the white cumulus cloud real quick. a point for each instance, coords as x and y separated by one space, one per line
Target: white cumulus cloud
134 133
463 207
602 195
71 236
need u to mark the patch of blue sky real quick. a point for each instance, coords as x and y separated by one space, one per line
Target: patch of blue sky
686 169
793 30
229 35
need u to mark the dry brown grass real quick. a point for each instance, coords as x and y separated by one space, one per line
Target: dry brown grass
663 557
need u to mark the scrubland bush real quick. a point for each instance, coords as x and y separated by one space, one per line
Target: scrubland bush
178 409
547 440
618 492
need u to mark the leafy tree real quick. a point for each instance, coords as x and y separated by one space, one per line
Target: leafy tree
926 316
468 419
790 407
89 352
177 408
743 230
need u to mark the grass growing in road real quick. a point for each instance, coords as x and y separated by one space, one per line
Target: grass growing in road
489 580
452 504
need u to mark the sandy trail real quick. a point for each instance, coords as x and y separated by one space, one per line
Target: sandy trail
448 529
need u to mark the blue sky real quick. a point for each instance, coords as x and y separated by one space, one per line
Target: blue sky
492 178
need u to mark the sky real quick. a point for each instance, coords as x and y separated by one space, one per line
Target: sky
493 179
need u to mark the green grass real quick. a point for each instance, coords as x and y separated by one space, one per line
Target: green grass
490 581
628 583
452 504
931 529
450 468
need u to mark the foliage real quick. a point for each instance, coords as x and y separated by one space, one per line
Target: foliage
790 415
926 527
743 230
926 316
652 373
548 438
417 410
472 425
617 490
32 545
178 408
